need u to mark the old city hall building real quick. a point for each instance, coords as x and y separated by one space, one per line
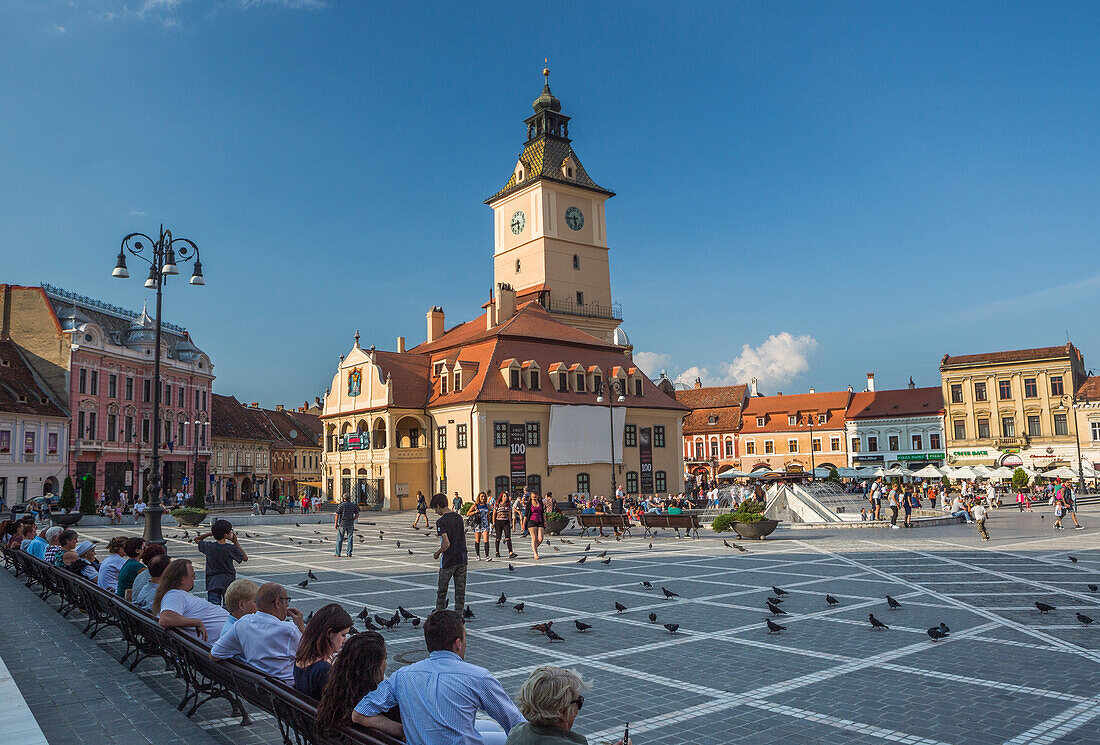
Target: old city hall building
538 391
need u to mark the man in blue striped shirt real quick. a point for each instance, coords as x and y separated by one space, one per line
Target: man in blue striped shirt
346 515
439 697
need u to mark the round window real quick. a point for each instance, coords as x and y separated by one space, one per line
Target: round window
87 337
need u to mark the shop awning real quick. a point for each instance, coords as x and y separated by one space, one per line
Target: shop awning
310 483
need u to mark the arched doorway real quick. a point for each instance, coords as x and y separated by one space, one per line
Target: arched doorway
246 488
275 491
231 490
49 486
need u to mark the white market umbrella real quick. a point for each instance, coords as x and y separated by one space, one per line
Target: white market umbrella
848 473
1061 472
962 473
928 472
898 471
1030 471
731 473
1004 472
880 471
982 471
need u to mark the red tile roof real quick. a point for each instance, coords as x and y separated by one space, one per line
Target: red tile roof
711 396
697 422
903 402
778 408
21 391
1016 355
723 402
1090 389
231 420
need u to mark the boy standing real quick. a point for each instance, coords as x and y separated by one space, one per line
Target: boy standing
978 511
452 549
220 555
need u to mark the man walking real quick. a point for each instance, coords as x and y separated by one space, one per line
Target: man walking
979 512
452 549
346 515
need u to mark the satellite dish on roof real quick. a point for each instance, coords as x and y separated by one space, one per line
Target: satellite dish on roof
293 434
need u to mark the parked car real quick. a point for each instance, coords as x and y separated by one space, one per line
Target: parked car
34 504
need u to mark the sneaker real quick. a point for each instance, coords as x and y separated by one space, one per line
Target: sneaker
894 527
1079 527
335 555
488 558
513 555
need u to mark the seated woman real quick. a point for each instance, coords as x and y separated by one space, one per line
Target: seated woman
323 638
358 669
550 699
82 561
129 571
240 600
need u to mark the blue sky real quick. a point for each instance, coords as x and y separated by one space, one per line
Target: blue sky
806 191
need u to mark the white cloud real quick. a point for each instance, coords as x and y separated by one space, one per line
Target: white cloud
651 363
58 29
779 360
292 4
136 212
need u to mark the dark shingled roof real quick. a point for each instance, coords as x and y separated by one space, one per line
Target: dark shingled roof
1014 355
21 391
903 402
1090 389
229 419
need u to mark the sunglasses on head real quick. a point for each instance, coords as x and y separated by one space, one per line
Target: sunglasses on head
578 701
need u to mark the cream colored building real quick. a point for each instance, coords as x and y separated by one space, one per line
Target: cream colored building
538 391
1012 408
1088 424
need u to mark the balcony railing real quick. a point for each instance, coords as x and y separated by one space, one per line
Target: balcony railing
1011 442
587 310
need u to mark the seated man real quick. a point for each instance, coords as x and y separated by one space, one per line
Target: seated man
958 509
148 591
440 696
266 640
37 547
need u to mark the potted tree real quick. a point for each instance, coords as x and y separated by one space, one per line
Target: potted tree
188 516
556 522
67 504
748 520
87 497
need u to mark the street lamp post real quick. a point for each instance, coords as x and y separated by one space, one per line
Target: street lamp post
1071 399
813 464
160 254
611 388
194 424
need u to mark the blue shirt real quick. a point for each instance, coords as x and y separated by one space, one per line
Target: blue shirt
36 547
228 625
439 699
262 641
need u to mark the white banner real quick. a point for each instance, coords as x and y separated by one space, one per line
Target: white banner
580 435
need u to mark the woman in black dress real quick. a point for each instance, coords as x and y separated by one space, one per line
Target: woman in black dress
421 509
323 638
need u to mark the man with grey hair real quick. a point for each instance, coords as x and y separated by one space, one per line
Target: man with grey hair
42 541
550 700
266 640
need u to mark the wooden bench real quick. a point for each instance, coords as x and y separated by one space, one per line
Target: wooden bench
615 522
653 521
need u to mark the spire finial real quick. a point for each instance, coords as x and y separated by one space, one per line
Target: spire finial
546 69
356 338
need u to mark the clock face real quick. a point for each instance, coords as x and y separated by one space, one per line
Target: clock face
518 221
574 218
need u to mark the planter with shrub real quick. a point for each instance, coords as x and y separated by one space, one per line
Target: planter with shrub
556 523
747 521
188 516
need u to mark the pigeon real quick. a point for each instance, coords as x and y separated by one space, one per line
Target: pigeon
831 600
369 625
1093 588
364 614
894 605
311 575
518 607
553 636
582 559
309 617
1072 559
875 623
1043 607
303 583
943 628
410 551
405 614
726 543
467 614
511 568
187 536
669 594
556 549
740 548
601 554
542 628
502 599
606 561
651 545
779 592
588 547
935 634
582 627
379 619
653 618
297 525
672 627
399 544
389 623
396 619
775 601
317 532
619 607
649 586
1084 619
776 610
416 623
773 627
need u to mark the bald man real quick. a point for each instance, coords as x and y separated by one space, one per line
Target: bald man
267 639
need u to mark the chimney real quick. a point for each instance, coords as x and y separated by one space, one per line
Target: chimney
317 399
912 385
698 383
849 389
779 393
400 344
871 382
255 404
435 323
505 305
279 407
812 389
5 320
753 390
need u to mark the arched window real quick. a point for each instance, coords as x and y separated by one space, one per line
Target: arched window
534 483
583 484
501 485
660 482
631 482
576 261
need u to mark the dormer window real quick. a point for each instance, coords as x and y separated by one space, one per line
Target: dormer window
637 386
792 419
513 378
712 419
760 421
438 369
443 385
580 382
597 381
821 418
563 382
458 381
535 383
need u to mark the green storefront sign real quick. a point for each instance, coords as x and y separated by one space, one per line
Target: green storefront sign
971 453
921 456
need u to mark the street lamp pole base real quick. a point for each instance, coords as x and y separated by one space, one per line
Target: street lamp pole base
153 514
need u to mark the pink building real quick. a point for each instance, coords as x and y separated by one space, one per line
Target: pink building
101 357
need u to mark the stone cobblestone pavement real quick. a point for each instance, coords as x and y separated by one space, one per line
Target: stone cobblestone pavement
1005 675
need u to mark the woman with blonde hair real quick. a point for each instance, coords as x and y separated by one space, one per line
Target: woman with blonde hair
480 517
550 700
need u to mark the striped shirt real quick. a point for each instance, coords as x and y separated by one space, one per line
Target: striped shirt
346 513
439 698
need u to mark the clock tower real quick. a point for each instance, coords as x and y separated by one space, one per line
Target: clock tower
550 228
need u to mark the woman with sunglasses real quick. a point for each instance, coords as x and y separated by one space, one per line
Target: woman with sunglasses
550 700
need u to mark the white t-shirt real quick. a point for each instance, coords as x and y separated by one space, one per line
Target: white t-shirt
139 508
978 511
189 606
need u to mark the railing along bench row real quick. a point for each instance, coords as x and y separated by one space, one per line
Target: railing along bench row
204 678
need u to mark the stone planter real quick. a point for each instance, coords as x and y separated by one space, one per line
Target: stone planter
65 519
757 530
554 527
190 519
